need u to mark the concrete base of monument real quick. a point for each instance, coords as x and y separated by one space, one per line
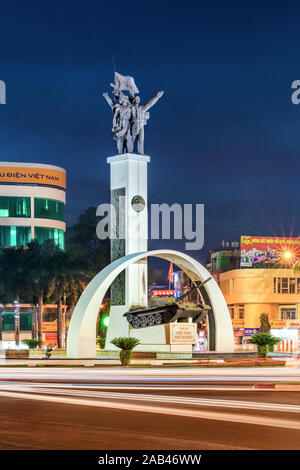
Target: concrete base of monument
118 326
168 338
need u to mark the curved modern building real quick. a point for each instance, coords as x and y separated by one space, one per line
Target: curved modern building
32 203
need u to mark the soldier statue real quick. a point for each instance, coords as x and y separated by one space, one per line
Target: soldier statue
129 117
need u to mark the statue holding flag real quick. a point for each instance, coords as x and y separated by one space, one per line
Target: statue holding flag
129 117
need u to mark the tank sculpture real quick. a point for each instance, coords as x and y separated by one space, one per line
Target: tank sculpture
167 310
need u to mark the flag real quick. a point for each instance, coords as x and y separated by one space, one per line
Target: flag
125 82
170 274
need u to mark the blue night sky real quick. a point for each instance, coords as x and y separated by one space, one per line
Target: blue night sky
225 133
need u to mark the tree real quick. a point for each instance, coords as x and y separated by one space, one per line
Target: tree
126 345
68 277
38 261
42 271
265 326
102 327
83 236
14 279
296 267
32 343
263 342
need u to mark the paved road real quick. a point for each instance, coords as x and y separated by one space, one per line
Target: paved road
178 408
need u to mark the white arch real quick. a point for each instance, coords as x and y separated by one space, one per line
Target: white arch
82 331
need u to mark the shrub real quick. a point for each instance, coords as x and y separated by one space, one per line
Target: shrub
101 342
263 342
126 345
32 343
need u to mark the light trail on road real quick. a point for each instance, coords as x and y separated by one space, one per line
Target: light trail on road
148 408
182 412
164 376
197 401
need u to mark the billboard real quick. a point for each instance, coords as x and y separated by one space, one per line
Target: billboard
32 175
269 251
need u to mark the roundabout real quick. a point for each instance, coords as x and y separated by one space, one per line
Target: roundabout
81 341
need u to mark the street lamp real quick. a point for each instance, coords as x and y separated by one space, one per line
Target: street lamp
17 323
288 255
1 317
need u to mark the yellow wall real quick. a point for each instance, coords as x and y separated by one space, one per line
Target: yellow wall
254 288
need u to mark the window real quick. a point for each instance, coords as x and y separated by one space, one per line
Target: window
44 233
241 312
25 321
288 313
49 209
286 285
8 321
49 316
14 236
292 285
231 311
14 206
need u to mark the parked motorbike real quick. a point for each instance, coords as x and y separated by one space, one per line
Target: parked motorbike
48 350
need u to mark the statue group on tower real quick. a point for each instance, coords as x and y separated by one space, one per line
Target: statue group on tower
129 116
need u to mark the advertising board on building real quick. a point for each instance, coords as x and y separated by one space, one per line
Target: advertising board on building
49 327
32 175
278 323
238 323
250 331
268 250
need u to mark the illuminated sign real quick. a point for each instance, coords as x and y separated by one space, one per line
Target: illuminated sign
50 339
293 323
183 333
278 323
32 175
161 292
49 326
269 250
250 331
237 323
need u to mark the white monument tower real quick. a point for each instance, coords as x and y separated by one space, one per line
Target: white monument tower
128 185
129 235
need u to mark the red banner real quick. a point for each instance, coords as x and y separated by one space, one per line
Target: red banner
269 250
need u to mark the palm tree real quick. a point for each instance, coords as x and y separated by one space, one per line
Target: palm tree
39 260
126 345
14 280
68 277
264 343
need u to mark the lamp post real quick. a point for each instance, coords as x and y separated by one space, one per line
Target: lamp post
17 323
1 311
34 321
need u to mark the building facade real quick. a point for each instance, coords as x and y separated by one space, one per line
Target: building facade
32 202
10 335
275 292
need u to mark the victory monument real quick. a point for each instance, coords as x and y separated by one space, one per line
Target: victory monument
126 276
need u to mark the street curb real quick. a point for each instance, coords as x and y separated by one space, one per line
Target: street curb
281 387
